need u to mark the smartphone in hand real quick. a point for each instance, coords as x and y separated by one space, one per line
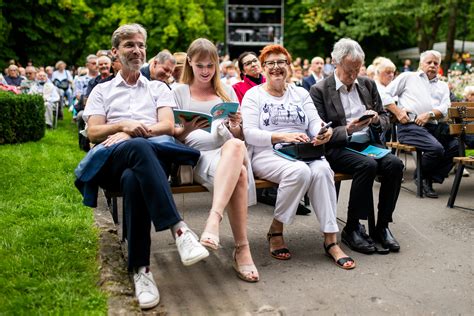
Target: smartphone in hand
365 117
324 129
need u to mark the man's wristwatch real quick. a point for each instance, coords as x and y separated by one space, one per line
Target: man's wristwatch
432 114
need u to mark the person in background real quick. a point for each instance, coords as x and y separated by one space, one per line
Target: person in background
406 66
328 68
468 95
160 68
370 71
49 72
62 79
13 78
423 102
250 73
230 77
44 87
297 77
178 69
103 65
315 73
30 80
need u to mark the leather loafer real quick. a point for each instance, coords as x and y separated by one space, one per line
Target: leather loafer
427 187
302 210
356 241
428 190
387 240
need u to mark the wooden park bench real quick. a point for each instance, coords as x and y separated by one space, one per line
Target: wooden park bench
197 188
461 119
410 149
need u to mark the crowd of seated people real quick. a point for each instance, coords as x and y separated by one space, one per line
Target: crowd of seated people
124 105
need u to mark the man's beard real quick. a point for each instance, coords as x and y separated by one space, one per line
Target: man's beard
125 63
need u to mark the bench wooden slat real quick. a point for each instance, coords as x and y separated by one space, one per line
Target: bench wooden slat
466 104
400 146
197 188
464 160
454 112
456 129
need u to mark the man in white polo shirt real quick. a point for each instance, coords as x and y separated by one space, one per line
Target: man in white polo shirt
423 101
122 114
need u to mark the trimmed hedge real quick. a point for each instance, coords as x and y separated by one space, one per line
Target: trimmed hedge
21 118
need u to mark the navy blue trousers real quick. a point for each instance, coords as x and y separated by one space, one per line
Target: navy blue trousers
437 145
364 170
134 168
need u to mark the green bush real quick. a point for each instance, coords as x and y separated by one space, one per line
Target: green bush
21 118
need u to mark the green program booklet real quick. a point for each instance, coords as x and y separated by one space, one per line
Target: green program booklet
372 151
218 111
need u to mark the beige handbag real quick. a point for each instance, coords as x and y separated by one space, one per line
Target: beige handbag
184 175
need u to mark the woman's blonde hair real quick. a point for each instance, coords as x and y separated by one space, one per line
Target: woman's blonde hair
201 48
383 65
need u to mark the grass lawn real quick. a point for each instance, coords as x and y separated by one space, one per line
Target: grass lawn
48 241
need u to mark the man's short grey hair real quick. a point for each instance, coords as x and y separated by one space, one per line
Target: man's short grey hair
347 47
164 56
427 53
127 31
91 58
103 57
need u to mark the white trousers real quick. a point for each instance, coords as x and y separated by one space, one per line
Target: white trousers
295 178
48 113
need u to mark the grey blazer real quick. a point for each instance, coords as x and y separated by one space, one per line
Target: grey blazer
328 103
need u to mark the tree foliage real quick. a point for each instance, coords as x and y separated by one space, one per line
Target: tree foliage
48 30
392 24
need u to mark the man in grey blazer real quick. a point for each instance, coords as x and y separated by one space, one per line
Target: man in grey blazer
343 98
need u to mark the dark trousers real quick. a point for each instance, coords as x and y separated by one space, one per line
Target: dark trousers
134 169
437 145
363 170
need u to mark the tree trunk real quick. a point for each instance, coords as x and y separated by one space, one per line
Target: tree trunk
453 9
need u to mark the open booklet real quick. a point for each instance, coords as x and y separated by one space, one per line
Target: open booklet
372 151
218 111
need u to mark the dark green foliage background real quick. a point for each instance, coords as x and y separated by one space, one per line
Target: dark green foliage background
21 118
46 31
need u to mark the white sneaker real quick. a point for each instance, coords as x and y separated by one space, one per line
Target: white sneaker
145 289
465 173
189 248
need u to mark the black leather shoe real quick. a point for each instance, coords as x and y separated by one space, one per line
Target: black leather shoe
302 210
364 234
385 237
428 190
357 242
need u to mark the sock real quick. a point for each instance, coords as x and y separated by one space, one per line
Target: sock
351 224
136 269
176 227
